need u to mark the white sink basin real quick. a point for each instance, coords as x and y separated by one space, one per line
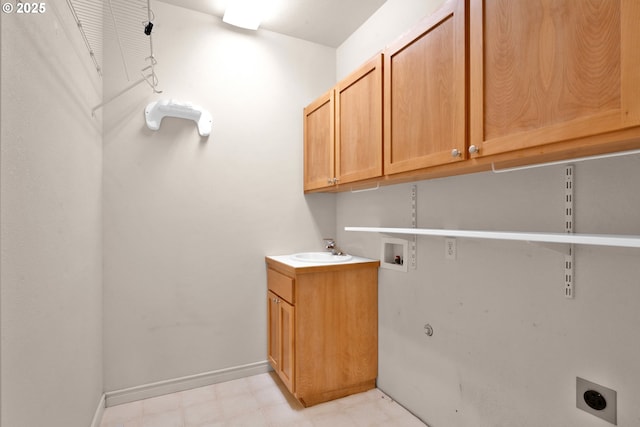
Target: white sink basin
326 257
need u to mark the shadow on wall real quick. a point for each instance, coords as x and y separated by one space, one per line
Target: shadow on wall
323 212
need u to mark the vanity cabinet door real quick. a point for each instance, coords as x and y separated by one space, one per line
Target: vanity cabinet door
273 331
287 351
425 93
551 70
280 333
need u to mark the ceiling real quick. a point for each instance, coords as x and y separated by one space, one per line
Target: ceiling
327 22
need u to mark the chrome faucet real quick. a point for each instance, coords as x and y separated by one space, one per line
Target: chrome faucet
330 244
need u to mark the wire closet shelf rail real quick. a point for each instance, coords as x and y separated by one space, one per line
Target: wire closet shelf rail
130 24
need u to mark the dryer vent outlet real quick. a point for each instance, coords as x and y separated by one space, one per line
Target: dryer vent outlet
596 400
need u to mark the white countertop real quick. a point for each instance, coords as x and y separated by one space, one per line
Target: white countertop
286 259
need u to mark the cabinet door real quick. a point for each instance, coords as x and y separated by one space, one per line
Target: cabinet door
552 70
359 123
425 93
319 143
287 350
273 331
280 338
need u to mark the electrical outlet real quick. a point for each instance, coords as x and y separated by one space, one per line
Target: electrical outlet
597 400
450 248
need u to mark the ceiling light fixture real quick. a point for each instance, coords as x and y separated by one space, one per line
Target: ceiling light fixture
244 13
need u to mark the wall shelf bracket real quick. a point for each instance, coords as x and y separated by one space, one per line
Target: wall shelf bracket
568 227
413 243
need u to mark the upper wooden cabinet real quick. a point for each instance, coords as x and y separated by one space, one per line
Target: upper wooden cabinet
319 143
343 130
481 83
551 70
425 93
359 123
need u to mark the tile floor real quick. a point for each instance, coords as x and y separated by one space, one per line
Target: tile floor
257 401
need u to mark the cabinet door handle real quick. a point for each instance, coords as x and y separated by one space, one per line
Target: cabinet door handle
473 149
455 153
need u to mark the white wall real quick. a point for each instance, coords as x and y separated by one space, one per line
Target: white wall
188 220
388 23
507 345
50 246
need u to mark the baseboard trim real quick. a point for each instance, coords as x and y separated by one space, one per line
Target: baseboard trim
159 388
97 416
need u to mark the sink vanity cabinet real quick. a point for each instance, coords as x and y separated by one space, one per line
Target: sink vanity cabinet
323 326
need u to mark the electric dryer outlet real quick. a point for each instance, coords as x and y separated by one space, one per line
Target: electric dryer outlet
597 400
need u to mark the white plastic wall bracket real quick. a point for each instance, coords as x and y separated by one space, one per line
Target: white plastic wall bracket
156 111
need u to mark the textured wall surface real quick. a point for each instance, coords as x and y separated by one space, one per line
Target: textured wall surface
50 201
188 220
507 346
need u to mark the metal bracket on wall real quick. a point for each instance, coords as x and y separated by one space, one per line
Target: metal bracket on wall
413 244
568 225
566 249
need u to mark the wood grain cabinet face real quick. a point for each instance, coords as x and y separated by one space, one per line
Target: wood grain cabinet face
319 143
286 368
552 70
324 345
481 83
280 338
359 124
281 318
425 93
273 325
343 130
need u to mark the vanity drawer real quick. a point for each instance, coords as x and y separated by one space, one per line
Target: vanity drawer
280 285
